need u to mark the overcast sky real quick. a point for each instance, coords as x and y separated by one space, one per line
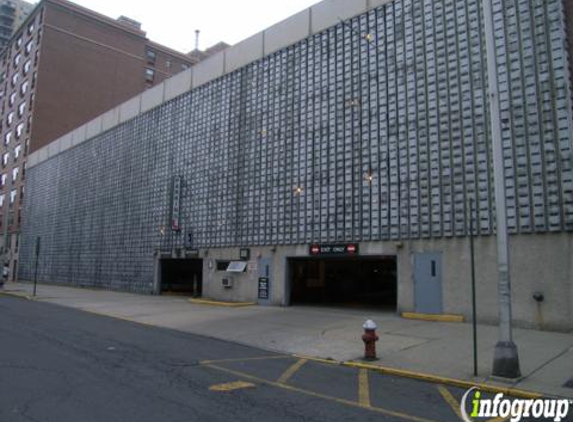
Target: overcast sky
173 22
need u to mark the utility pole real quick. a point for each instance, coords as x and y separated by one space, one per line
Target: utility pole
506 359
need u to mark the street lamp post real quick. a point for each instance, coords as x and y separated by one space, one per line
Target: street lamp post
506 359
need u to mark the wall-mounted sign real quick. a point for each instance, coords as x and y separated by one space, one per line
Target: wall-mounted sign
345 249
176 204
244 254
263 288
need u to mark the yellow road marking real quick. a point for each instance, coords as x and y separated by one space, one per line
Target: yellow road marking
291 371
451 400
319 395
363 388
231 386
208 362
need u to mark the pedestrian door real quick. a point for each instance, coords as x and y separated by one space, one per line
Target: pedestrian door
428 283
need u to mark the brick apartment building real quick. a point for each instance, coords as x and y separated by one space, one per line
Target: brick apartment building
62 67
12 14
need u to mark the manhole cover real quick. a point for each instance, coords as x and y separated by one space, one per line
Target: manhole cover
569 384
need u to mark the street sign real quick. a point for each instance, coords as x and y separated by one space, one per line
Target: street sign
342 249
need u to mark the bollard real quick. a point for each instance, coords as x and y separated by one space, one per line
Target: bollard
369 338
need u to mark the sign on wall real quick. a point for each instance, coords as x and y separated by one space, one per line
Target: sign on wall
343 249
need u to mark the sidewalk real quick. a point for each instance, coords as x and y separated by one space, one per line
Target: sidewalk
442 349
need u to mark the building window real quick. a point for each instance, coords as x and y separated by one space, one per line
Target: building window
151 56
19 130
15 79
7 138
5 159
168 64
17 151
149 75
19 41
27 67
24 88
12 99
29 46
10 118
21 109
15 172
13 194
17 58
1 200
31 28
2 180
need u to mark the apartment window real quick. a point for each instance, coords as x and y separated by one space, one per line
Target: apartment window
149 75
12 99
168 64
10 118
29 124
2 180
17 58
29 46
21 109
151 56
19 130
13 194
27 67
34 77
17 151
7 138
24 87
32 99
31 28
15 79
19 41
15 172
1 200
5 159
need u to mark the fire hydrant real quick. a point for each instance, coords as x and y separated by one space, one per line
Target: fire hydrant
369 338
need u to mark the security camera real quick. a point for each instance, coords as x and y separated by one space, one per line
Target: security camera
538 297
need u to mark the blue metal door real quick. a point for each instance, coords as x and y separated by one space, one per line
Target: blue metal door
428 283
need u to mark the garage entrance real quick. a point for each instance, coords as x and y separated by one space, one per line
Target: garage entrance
183 276
352 281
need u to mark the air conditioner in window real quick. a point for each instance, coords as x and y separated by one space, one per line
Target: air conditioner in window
227 282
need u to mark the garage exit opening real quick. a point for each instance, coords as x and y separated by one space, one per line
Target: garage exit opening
182 276
357 282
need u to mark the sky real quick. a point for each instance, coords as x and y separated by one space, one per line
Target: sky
173 22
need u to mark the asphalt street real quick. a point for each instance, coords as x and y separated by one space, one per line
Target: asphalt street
59 364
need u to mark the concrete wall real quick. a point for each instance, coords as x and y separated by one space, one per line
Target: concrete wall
540 263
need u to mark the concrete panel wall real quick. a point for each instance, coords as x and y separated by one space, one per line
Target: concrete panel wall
79 135
110 119
152 97
329 12
206 71
373 4
287 32
130 109
93 127
245 52
65 142
179 84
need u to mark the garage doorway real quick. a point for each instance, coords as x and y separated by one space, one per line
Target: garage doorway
350 282
182 276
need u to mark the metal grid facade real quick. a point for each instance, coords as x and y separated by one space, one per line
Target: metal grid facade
343 136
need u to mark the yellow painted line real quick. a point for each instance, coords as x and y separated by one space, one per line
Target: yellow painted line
222 304
433 317
451 400
209 362
488 388
231 386
291 371
319 395
363 388
320 360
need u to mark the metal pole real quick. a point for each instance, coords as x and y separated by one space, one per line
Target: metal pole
506 360
36 265
474 308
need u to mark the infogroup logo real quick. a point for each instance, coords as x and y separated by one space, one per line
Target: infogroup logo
515 409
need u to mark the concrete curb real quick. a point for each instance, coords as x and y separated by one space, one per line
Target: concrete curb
222 304
433 317
18 295
514 392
